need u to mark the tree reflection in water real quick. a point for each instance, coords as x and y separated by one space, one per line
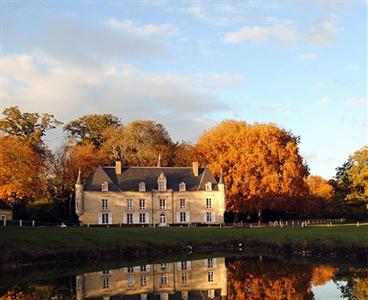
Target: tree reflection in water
247 278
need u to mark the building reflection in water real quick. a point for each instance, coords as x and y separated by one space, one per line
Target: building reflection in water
206 278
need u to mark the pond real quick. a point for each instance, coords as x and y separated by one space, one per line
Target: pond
212 277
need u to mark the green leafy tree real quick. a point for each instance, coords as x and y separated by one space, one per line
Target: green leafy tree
139 143
90 128
28 127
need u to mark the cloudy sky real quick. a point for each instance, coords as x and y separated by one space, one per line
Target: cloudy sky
189 65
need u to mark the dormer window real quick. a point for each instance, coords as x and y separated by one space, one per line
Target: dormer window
208 186
105 187
161 182
182 187
142 187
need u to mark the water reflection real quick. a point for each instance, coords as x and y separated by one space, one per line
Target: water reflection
183 279
253 277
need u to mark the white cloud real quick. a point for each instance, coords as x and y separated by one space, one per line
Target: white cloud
324 30
283 31
148 29
68 91
324 101
225 79
357 102
270 106
352 67
220 14
305 57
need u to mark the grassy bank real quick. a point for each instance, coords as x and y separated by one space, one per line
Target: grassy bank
32 245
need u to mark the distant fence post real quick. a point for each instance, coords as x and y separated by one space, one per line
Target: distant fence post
33 223
20 223
4 222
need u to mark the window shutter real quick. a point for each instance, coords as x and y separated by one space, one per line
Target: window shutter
125 219
214 261
189 265
178 266
99 218
135 218
204 217
147 218
178 217
110 218
188 217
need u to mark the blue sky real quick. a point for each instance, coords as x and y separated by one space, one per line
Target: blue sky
190 65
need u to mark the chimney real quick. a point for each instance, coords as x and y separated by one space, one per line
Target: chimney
195 168
118 167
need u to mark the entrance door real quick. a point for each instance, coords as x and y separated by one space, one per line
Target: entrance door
162 220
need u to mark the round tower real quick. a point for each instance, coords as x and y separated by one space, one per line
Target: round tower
222 198
79 191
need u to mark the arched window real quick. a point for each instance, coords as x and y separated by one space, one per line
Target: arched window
182 187
161 182
208 186
162 219
142 187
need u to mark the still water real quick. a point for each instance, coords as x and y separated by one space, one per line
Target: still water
250 277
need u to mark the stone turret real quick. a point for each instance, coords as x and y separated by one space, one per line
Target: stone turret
79 198
221 188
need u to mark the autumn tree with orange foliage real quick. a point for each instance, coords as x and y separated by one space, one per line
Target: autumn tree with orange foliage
322 274
261 165
21 170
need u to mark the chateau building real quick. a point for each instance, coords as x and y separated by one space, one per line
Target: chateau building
150 195
197 279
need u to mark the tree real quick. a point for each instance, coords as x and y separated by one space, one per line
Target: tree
28 127
182 154
67 163
21 170
351 184
261 165
139 143
90 128
320 188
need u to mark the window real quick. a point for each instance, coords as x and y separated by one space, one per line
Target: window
105 282
211 294
209 203
162 203
131 280
184 295
143 268
105 187
142 187
130 218
105 272
142 218
210 276
161 181
183 265
184 278
162 219
130 269
183 217
105 218
182 203
163 266
182 187
210 263
143 280
142 203
129 203
208 186
163 279
104 204
209 216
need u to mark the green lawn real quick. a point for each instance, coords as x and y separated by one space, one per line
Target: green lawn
73 238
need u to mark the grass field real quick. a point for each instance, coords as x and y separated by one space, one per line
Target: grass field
76 237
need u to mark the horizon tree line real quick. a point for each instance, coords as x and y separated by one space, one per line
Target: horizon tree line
263 170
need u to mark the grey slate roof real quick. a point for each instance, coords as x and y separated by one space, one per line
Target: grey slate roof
130 178
4 206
